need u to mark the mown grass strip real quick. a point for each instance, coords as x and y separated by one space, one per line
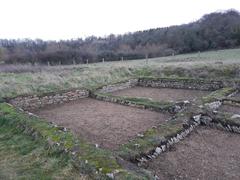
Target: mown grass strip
145 103
218 95
226 119
151 138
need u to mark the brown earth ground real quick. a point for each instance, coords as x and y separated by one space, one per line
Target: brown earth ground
106 124
230 109
206 154
161 94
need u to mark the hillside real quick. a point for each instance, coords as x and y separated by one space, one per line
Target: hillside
218 30
26 79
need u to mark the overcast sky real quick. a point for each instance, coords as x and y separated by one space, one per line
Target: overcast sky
67 19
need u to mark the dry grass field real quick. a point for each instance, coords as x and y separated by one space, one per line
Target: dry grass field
23 79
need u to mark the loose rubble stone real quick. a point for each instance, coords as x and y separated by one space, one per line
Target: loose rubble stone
235 116
110 175
197 118
214 105
163 148
140 135
137 145
206 120
158 150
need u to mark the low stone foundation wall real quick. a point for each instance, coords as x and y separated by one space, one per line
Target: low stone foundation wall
196 121
35 102
170 141
231 101
169 107
118 86
221 125
196 84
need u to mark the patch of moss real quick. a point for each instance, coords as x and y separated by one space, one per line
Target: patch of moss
152 138
226 119
125 175
218 95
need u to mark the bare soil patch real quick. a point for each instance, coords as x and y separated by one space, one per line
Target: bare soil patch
161 94
230 109
205 155
103 123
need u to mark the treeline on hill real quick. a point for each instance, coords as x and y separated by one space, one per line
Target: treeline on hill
217 30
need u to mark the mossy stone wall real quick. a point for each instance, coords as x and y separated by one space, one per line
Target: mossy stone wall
34 101
181 83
